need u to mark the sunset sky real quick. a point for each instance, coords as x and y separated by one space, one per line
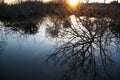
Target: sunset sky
107 1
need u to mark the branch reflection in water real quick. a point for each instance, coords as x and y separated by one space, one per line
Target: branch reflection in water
84 43
2 39
18 28
85 47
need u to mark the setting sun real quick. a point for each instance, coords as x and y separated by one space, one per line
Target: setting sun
47 0
10 1
73 2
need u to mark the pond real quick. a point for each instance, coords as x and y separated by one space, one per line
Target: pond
54 48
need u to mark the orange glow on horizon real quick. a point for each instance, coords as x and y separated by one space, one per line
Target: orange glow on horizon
73 3
46 1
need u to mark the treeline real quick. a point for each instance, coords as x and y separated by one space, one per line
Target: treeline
39 9
33 9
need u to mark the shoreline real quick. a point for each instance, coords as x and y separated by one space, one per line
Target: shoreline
28 10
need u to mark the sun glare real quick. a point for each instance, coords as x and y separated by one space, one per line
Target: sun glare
46 1
73 2
9 1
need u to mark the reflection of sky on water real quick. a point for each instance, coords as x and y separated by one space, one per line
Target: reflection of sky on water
23 55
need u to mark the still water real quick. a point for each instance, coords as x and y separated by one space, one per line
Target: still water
53 48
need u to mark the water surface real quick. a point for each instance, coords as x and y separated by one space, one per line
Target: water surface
53 48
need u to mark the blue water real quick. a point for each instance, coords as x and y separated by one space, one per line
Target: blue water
23 56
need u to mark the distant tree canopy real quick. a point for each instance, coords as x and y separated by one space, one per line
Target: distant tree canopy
27 0
41 0
114 2
87 1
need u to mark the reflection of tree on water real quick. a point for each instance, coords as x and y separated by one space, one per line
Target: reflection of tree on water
86 49
2 41
24 27
84 44
19 28
54 27
115 27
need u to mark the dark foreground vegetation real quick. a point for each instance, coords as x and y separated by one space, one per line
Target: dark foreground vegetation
32 9
40 9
